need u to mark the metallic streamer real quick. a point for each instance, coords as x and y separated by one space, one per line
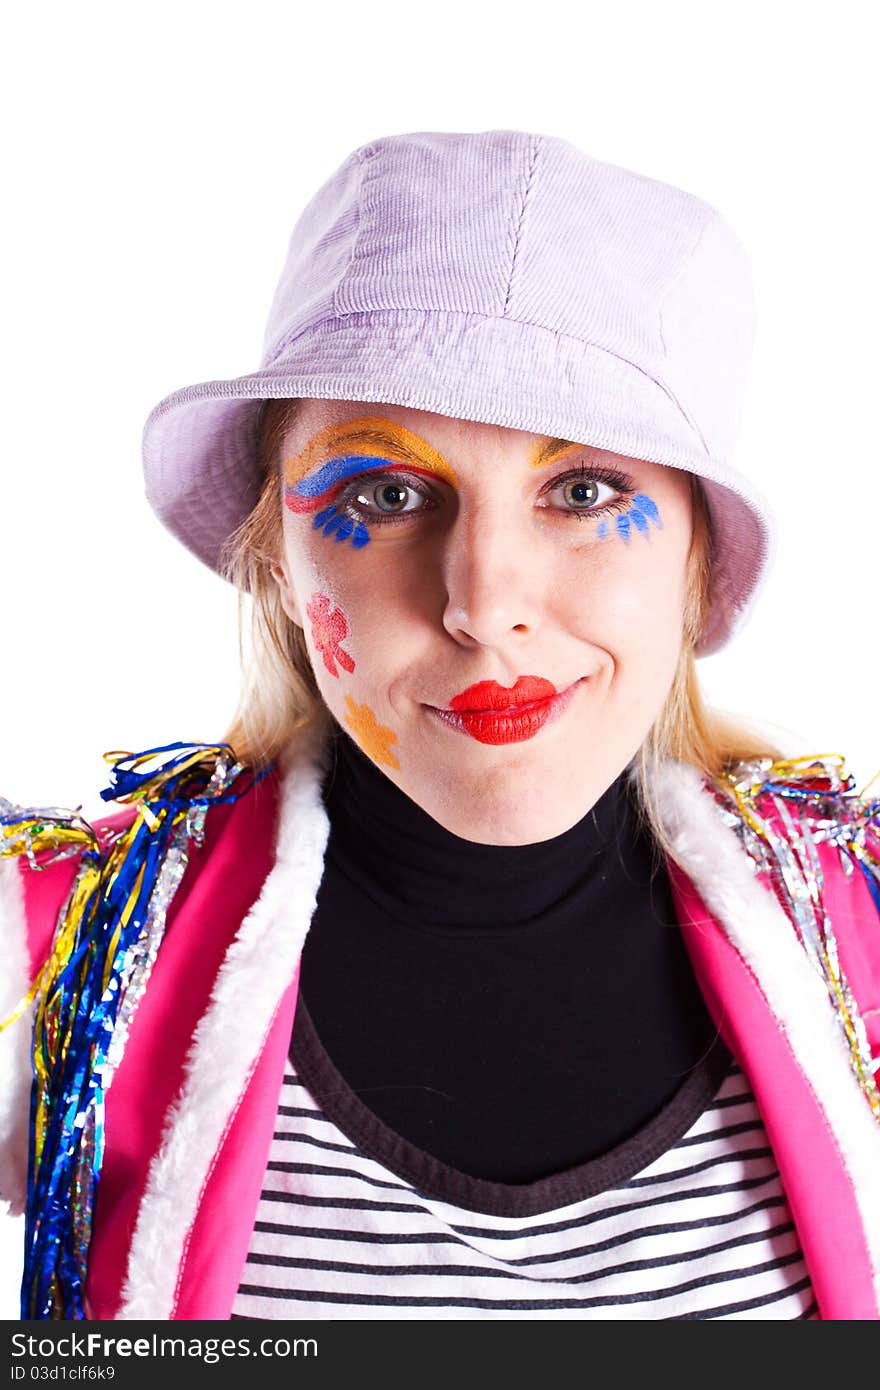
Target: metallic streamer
781 812
107 936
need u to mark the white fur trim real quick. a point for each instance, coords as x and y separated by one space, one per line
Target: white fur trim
756 924
228 1039
15 1041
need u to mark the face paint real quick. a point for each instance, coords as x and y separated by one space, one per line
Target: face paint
313 482
642 510
371 737
340 526
639 512
329 630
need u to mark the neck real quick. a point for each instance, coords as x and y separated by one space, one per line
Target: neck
386 844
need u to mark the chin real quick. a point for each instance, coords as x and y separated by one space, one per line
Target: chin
496 812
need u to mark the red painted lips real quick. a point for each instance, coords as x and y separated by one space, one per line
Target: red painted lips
489 695
493 713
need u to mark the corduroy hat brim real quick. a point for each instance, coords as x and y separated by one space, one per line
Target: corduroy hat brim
199 443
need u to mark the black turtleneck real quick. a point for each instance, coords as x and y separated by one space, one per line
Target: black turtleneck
511 1010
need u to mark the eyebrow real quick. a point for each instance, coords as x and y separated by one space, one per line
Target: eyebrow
348 433
550 449
545 451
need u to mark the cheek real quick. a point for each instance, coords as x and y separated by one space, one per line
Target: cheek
373 737
625 591
358 638
326 577
331 635
329 629
368 596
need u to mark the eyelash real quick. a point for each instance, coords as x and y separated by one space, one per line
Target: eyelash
610 476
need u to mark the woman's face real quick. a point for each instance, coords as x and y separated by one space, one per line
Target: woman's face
495 617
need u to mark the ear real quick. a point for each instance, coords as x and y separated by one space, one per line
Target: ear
289 601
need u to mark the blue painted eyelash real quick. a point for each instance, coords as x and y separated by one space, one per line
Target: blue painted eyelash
341 526
642 510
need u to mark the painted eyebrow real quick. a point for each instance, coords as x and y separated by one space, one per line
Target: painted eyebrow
550 449
357 433
545 453
376 437
333 441
370 439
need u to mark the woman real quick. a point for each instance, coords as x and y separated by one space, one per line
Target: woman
591 974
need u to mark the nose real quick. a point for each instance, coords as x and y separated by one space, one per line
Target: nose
493 590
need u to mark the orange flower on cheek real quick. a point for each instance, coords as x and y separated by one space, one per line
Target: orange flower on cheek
329 630
372 737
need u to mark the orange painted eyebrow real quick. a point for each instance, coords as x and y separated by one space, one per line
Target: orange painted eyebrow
398 443
550 449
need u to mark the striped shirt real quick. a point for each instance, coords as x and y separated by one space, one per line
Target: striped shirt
686 1220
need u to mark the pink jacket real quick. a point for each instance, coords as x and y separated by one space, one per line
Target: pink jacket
191 1109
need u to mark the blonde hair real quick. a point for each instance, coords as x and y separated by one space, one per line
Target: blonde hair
280 702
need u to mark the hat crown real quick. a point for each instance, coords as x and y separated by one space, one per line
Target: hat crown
526 227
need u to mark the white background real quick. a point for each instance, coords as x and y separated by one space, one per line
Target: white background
155 161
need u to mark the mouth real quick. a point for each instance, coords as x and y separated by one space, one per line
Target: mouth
490 697
493 713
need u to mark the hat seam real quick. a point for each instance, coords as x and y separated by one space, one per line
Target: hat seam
296 334
687 261
316 328
365 153
534 152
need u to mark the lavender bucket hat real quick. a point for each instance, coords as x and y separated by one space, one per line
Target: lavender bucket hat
503 277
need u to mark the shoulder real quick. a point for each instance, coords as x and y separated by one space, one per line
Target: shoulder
194 798
802 830
814 839
41 858
77 893
800 826
796 806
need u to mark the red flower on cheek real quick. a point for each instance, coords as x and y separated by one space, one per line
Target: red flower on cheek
329 630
